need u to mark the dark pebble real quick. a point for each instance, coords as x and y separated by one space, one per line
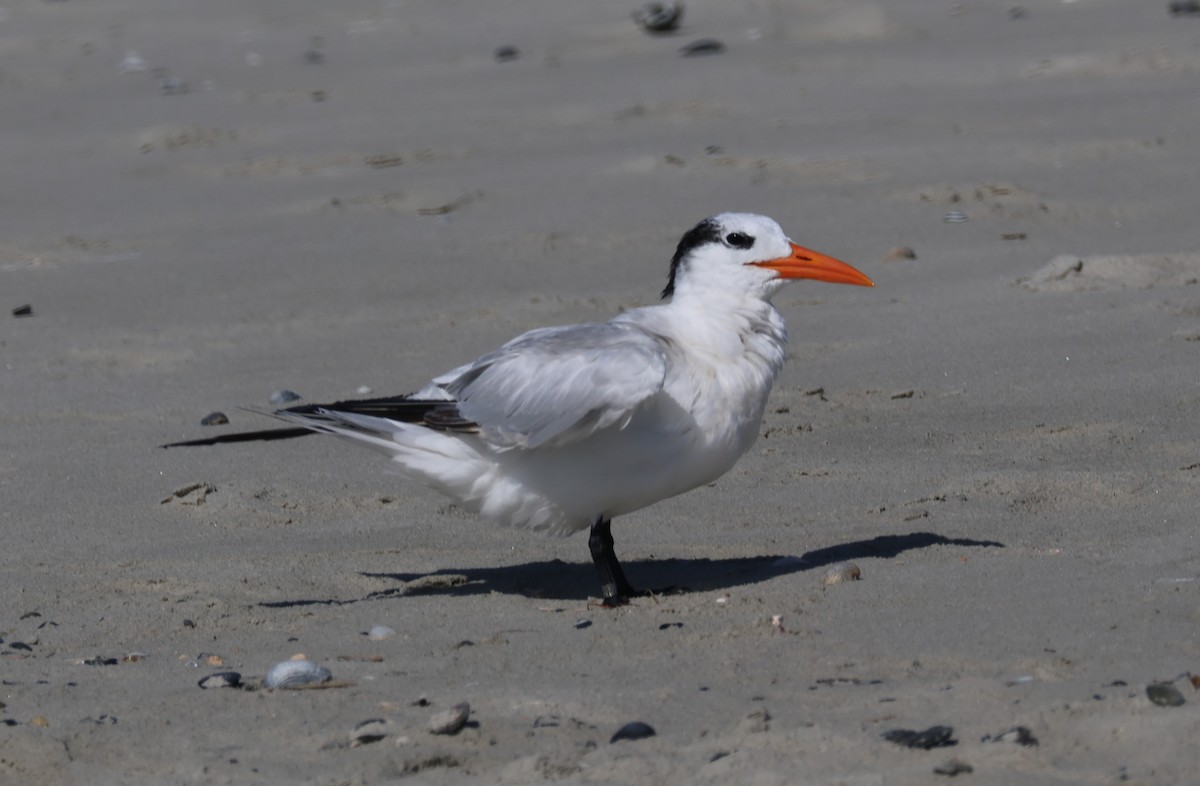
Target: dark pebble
666 625
933 737
20 645
214 419
100 660
633 731
581 624
1164 694
1184 8
222 679
285 396
506 54
23 311
704 46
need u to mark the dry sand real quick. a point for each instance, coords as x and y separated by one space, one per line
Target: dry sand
1004 442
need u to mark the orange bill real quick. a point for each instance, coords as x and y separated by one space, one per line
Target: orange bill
804 263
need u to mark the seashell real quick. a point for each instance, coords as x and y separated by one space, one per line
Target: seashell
635 730
450 721
933 737
840 573
369 731
296 674
214 419
703 46
285 396
954 217
363 390
1164 694
222 679
657 18
380 633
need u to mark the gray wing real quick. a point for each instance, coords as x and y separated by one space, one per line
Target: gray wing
557 385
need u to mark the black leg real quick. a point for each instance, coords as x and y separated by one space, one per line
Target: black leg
613 584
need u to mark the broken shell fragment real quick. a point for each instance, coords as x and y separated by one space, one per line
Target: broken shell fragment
285 396
214 419
840 573
222 679
368 731
450 721
296 674
635 730
659 18
1164 694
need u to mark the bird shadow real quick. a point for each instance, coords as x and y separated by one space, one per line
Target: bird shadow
571 581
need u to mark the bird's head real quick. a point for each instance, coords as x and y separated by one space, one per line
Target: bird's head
749 254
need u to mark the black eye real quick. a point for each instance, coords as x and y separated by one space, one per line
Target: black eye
739 240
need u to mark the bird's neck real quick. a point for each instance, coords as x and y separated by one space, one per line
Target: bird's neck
723 327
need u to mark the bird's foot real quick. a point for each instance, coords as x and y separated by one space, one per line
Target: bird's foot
619 599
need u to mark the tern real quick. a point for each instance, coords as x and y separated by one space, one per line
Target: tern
564 428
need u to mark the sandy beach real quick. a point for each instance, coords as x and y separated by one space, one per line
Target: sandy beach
204 203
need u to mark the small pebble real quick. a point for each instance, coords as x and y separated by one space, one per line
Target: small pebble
315 54
1164 694
506 54
1184 8
1017 12
222 679
363 390
214 419
840 573
900 252
380 633
953 767
704 46
39 721
1013 236
285 396
296 674
657 18
368 731
1021 735
581 624
933 737
954 217
1195 680
450 721
23 311
635 730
